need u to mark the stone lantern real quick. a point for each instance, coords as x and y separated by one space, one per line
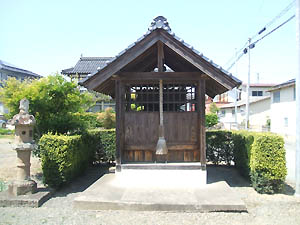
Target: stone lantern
24 144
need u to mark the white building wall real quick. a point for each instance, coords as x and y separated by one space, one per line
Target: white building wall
283 113
259 114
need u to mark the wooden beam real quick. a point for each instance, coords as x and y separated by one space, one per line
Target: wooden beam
171 146
160 57
201 121
173 76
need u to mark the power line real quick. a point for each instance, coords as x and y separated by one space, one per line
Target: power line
252 45
274 29
240 54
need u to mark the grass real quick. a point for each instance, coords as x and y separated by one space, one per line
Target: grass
10 136
3 187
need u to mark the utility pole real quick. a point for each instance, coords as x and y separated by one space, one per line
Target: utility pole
248 87
297 172
235 93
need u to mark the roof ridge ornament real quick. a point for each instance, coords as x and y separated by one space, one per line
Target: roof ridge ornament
159 22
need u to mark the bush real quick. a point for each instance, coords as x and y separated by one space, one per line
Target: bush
219 147
65 157
267 163
107 149
211 119
6 131
89 119
259 157
107 118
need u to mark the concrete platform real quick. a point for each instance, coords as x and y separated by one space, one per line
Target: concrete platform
111 193
30 200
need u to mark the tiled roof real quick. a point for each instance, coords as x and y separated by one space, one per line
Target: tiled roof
161 22
7 66
282 85
252 99
88 65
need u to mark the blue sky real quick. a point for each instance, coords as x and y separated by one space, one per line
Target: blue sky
48 36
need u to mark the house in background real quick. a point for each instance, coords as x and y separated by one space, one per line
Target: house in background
283 121
283 108
259 107
8 70
259 113
85 67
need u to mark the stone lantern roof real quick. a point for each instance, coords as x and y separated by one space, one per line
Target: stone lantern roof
23 117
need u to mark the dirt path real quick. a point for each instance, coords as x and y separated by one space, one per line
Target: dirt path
8 161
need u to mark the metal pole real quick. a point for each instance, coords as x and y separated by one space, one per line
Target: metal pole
297 172
235 93
248 86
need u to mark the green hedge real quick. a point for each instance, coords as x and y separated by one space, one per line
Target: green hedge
267 163
258 156
65 157
219 147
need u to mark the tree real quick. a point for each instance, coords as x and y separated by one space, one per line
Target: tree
53 102
213 108
211 119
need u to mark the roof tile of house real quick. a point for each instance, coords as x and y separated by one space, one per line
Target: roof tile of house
7 66
88 65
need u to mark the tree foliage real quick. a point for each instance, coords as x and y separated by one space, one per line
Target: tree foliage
213 108
53 102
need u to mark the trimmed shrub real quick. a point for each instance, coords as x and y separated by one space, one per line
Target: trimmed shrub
103 143
211 119
65 157
219 147
259 157
242 142
267 163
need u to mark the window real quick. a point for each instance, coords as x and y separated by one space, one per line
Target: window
257 93
286 122
222 113
145 97
276 96
233 112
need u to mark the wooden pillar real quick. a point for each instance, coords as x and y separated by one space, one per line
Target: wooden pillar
160 56
119 122
201 121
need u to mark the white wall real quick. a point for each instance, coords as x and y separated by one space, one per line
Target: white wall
283 113
259 113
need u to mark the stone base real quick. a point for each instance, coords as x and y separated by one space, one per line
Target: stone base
30 200
17 188
162 175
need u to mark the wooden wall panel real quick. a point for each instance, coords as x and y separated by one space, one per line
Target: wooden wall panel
141 128
141 135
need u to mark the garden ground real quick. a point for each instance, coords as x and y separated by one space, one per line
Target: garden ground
262 209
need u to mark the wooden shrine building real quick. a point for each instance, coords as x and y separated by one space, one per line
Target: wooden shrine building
133 78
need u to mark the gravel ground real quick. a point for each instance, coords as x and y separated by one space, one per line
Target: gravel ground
262 209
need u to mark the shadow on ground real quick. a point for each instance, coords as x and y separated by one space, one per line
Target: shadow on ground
81 183
226 173
231 175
